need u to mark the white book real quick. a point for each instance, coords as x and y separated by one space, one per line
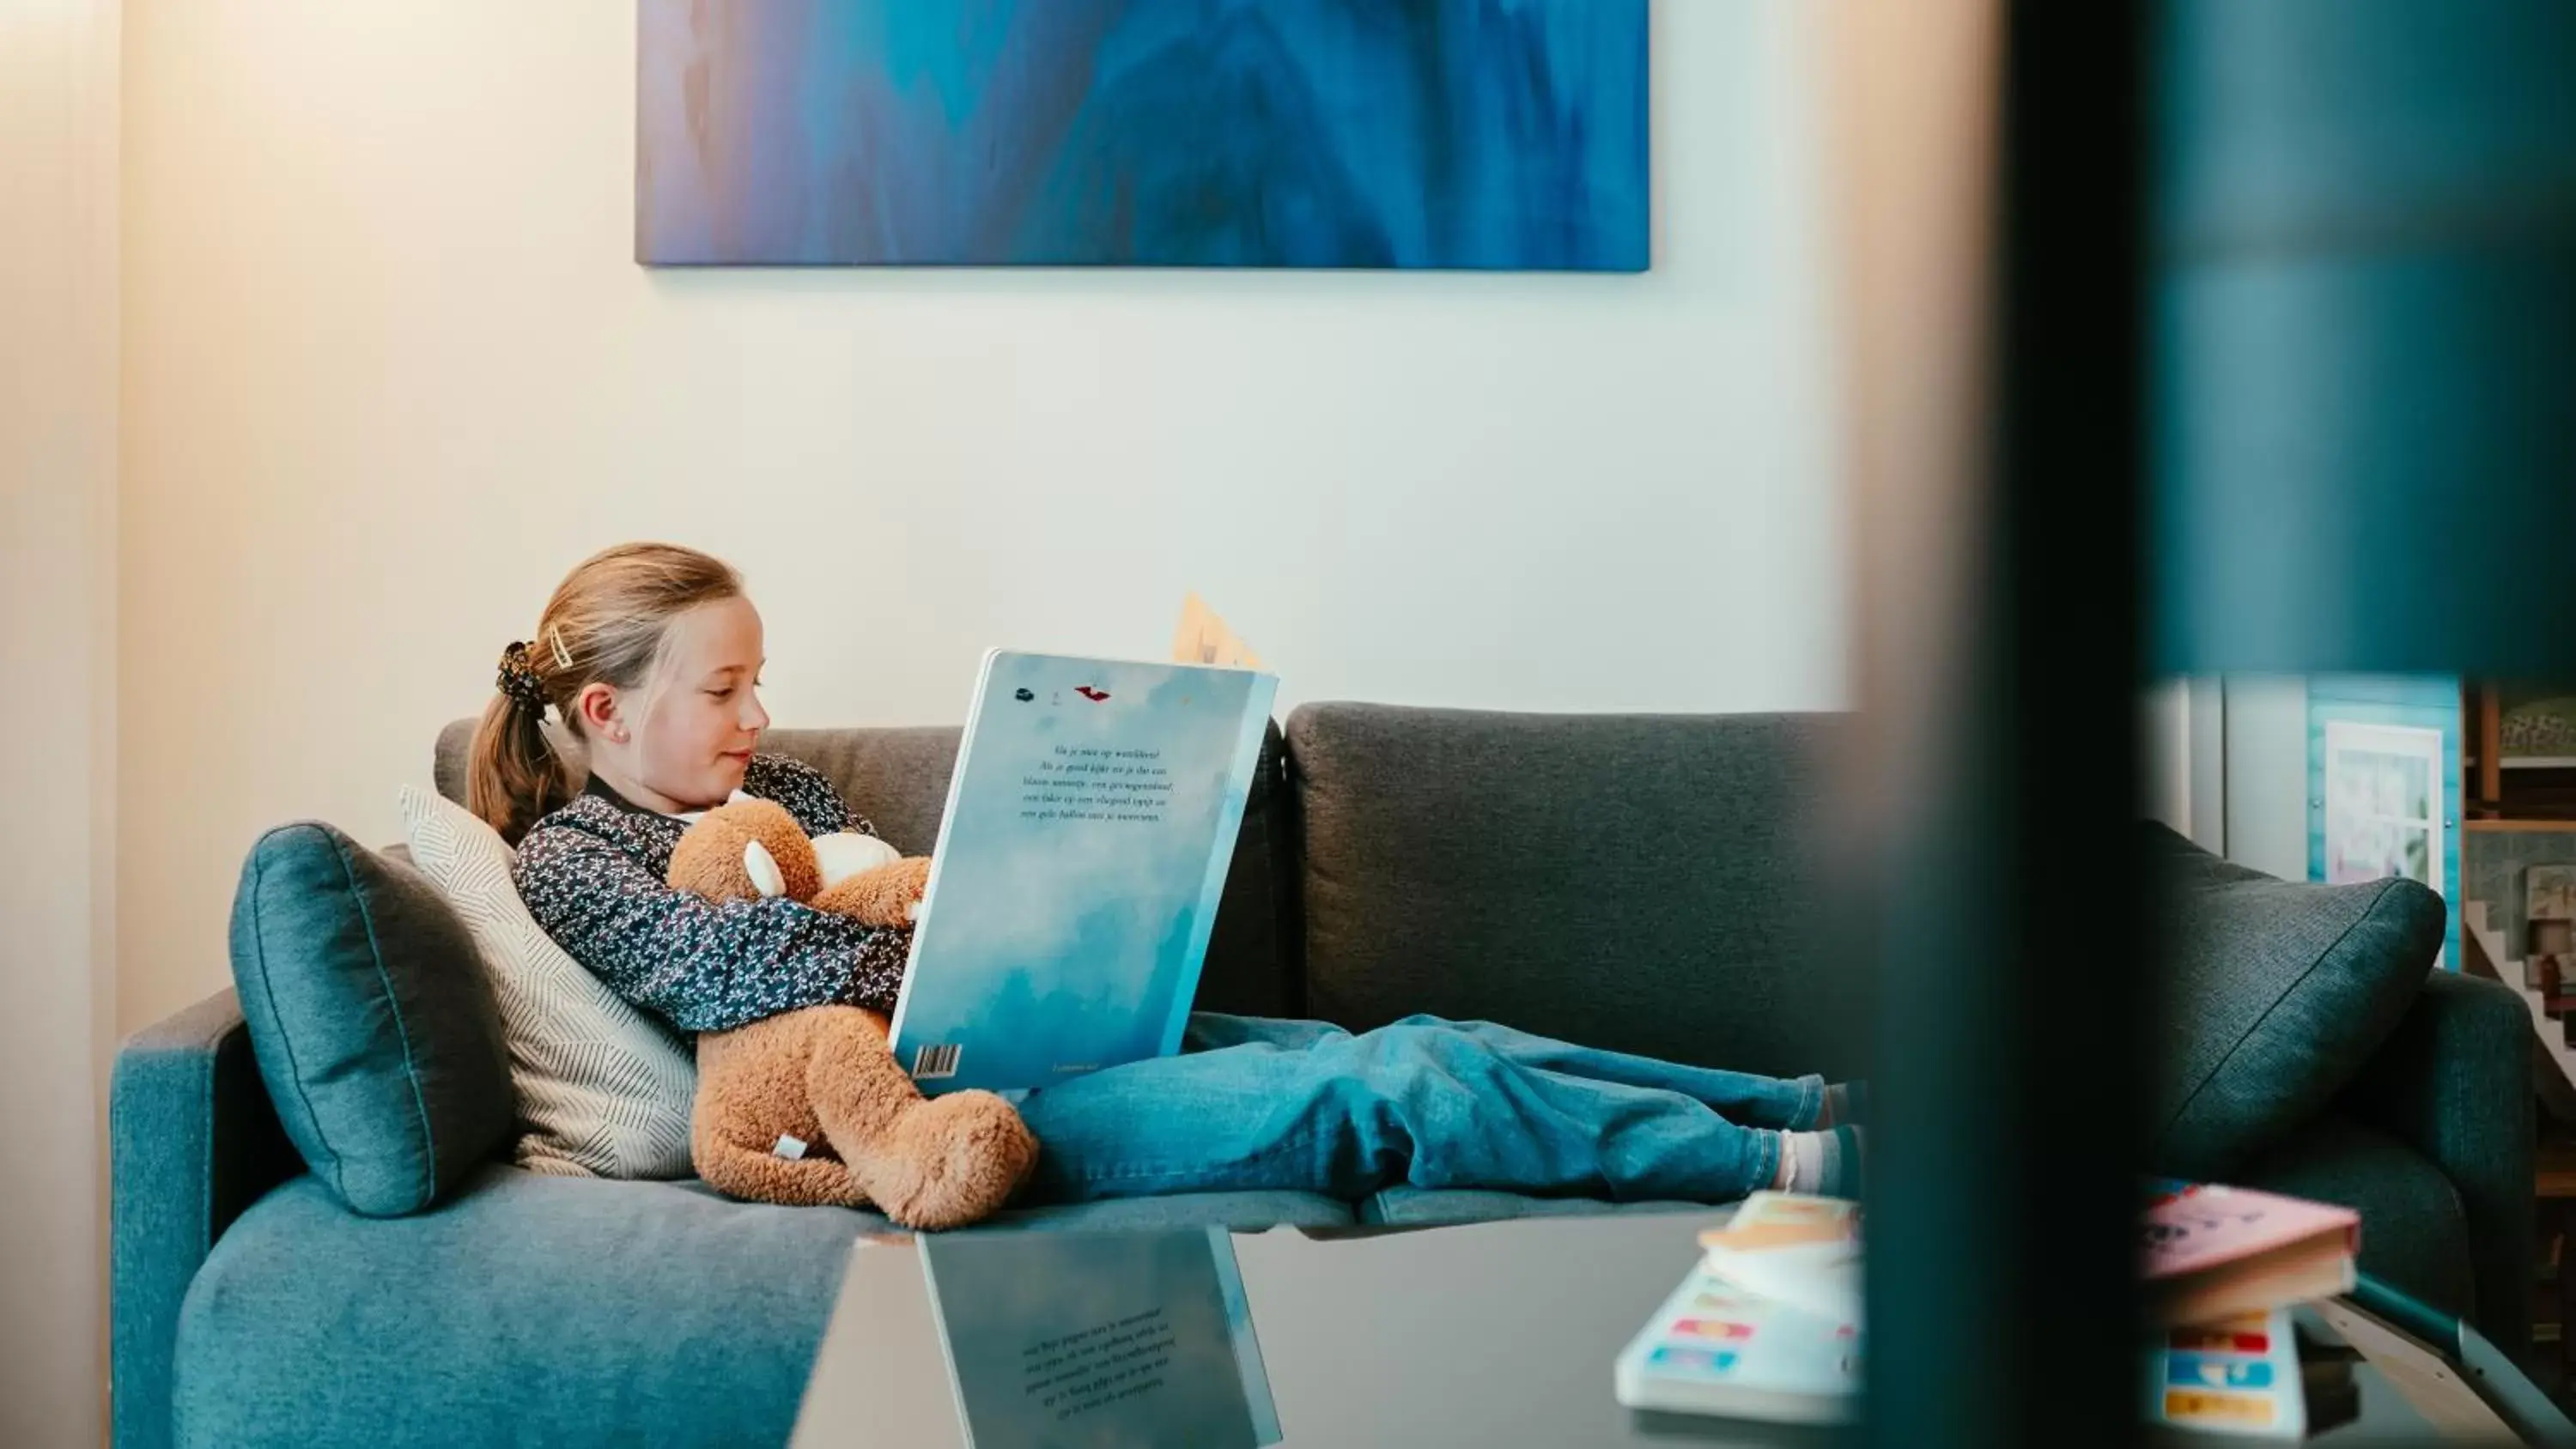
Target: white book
1714 1348
1798 1248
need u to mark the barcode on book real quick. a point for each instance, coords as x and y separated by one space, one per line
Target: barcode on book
934 1061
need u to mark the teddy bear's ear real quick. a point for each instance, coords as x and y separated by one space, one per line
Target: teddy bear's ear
715 857
762 867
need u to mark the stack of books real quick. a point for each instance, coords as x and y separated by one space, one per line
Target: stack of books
1768 1325
2224 1267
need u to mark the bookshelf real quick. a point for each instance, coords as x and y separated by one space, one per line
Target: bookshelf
2518 798
2518 811
2488 957
2519 766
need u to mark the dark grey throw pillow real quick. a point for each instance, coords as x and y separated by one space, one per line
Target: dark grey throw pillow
2275 993
369 1013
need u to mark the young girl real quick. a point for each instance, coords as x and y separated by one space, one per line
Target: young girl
651 655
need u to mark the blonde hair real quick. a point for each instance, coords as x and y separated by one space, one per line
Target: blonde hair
609 621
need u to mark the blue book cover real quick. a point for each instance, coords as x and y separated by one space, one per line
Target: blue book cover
1080 1339
1090 822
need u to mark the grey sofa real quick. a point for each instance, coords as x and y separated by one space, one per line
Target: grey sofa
1634 882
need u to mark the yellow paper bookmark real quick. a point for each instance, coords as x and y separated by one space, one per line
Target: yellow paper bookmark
1203 638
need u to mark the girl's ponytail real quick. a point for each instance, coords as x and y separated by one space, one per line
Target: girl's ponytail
513 775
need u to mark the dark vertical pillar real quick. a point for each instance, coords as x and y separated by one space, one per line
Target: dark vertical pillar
2010 982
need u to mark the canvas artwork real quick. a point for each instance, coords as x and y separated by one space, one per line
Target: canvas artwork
1483 134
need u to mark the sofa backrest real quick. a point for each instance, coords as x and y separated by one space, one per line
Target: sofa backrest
898 779
1640 883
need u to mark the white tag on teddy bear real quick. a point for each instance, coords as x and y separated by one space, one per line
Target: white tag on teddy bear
791 1148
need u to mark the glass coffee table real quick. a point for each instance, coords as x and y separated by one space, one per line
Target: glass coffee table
1480 1334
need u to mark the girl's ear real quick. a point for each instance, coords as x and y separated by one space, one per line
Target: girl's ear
596 708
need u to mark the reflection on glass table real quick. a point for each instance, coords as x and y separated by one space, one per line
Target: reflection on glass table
1487 1334
1100 1338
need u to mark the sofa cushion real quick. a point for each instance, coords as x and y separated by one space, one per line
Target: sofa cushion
898 779
527 1309
604 1089
2414 1230
541 1310
1640 883
1412 1207
370 1019
2275 993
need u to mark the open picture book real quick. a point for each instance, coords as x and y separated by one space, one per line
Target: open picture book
1089 827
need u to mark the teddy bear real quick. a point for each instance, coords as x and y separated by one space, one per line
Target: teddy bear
809 1107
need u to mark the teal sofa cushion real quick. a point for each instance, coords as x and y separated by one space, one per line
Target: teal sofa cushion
528 1309
2274 994
369 1014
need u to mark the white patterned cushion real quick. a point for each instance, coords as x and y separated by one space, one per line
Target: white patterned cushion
603 1089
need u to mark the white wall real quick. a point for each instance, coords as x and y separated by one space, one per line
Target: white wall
2267 773
2182 737
389 371
2226 763
58 164
2164 750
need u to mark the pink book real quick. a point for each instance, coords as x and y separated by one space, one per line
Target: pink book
2211 1251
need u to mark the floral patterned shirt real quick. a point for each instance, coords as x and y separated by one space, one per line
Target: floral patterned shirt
593 874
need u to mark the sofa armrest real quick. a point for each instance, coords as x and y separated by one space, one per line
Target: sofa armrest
193 1141
2453 1082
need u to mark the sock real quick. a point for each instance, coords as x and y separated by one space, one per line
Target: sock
1846 1105
1827 1164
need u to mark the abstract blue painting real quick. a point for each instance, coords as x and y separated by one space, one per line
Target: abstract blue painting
1483 134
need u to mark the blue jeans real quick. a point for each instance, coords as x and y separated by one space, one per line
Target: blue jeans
1252 1104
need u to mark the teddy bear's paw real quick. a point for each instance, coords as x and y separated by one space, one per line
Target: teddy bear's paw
953 1160
881 897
